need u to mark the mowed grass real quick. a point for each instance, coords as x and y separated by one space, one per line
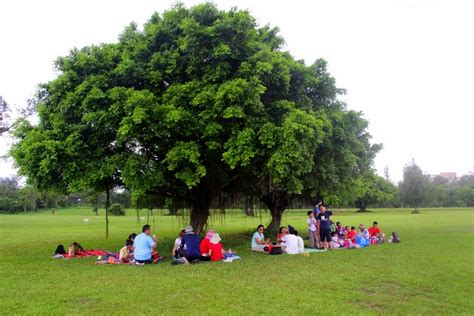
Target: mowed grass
430 272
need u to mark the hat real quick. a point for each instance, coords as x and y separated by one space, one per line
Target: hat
215 239
209 234
189 229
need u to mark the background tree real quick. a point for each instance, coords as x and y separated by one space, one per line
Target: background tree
373 189
414 187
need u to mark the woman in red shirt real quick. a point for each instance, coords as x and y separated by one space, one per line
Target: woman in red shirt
216 252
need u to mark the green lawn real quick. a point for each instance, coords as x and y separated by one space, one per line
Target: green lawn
430 272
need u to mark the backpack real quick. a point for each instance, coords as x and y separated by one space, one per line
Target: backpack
275 251
180 252
60 250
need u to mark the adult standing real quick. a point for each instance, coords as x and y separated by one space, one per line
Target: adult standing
144 245
324 219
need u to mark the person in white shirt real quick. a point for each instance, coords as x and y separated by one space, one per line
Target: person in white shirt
300 243
313 234
289 242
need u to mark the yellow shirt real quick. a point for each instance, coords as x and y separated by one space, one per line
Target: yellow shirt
124 253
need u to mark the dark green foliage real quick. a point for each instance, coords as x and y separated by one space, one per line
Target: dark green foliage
199 104
117 209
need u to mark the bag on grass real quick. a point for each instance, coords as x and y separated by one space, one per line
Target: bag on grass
60 250
276 251
180 252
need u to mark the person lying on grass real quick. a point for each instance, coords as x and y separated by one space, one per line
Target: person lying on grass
75 249
126 253
258 240
144 246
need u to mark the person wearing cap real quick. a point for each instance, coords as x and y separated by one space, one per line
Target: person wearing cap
216 252
204 246
363 238
144 245
191 241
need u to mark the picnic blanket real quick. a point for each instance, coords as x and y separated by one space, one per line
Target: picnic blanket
88 253
309 250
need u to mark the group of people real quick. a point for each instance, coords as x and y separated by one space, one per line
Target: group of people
323 234
188 248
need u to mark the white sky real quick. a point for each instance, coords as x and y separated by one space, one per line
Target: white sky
408 65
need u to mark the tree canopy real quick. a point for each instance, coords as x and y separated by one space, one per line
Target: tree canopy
199 102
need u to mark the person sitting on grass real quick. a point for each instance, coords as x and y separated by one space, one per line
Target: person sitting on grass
335 241
216 252
126 253
289 242
258 240
351 236
132 237
75 249
340 230
363 239
144 246
193 251
178 254
376 234
204 246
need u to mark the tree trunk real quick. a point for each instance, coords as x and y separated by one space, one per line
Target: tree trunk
199 215
107 206
277 213
277 202
200 203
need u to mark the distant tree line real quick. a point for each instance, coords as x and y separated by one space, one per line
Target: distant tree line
15 198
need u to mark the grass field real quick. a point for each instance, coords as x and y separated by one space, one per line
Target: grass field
430 272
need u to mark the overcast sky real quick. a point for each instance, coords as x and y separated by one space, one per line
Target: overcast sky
407 65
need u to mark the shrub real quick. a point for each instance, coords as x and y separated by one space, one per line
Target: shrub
117 209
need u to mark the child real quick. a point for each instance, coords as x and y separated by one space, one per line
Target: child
335 242
312 230
75 249
352 234
216 252
125 254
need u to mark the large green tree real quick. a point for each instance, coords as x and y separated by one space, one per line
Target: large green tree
415 186
198 103
372 189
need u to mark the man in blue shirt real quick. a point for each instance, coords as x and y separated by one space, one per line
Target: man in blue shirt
144 245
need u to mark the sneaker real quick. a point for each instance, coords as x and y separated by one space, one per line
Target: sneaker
139 264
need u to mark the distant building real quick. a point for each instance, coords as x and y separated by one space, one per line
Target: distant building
450 176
